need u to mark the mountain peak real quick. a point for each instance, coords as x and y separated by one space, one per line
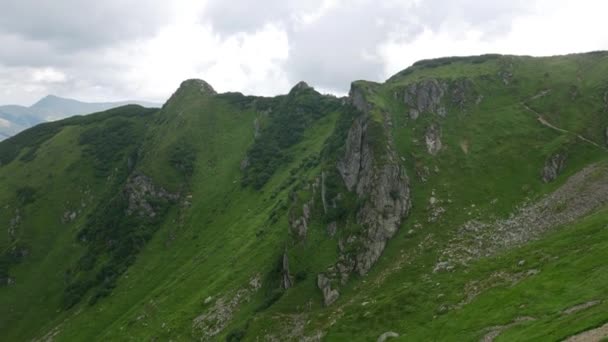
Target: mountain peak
300 86
204 87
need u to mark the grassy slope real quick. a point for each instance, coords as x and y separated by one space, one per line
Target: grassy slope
221 241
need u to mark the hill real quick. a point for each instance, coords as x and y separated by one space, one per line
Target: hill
14 119
464 199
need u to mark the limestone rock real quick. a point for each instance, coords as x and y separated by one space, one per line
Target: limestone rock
329 295
553 167
287 279
432 139
139 189
425 97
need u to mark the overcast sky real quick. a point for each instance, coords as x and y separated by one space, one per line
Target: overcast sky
142 49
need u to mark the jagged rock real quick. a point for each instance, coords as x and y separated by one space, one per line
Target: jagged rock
139 189
286 278
350 165
553 167
506 76
219 315
425 97
432 139
329 295
606 135
386 336
300 86
332 228
461 90
384 189
299 224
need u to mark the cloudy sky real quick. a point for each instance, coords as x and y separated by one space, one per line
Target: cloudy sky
142 49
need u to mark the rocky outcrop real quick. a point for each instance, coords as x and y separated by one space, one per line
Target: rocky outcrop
580 195
219 315
329 295
299 223
141 191
371 169
432 138
286 278
553 167
425 97
462 91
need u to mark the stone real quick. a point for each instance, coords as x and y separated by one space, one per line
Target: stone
425 97
432 139
329 295
139 190
287 279
332 228
553 167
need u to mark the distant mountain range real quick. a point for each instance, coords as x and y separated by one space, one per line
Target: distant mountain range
14 118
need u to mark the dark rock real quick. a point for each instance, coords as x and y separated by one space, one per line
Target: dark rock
425 97
462 90
432 138
553 167
286 278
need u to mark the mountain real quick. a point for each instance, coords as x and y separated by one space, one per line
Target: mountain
464 199
14 119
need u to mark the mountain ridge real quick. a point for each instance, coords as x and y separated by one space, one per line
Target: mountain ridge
409 210
52 107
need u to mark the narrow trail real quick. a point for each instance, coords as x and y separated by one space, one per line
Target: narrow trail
546 123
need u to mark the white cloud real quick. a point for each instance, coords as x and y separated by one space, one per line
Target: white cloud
124 53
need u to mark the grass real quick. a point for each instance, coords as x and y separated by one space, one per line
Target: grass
221 233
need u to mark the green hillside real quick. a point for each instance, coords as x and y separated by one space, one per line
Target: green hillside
464 199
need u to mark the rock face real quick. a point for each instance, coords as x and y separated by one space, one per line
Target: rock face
219 315
377 178
425 96
432 138
139 190
329 295
286 278
299 223
553 167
